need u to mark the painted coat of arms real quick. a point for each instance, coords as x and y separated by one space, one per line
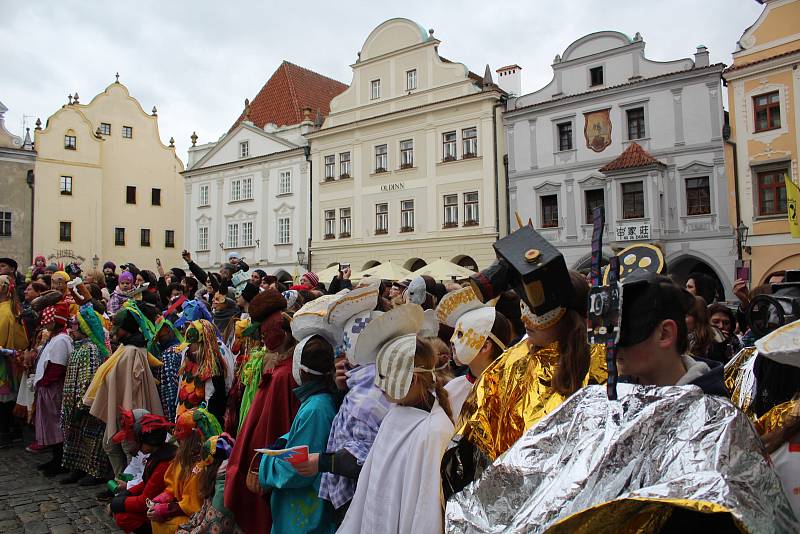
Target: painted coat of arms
597 129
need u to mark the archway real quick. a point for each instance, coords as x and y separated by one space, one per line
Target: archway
466 262
370 264
790 262
415 263
283 276
683 267
331 265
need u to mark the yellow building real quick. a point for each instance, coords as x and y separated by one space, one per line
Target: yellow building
763 90
107 188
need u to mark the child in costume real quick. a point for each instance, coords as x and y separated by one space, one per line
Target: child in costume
122 293
203 371
181 497
147 433
166 347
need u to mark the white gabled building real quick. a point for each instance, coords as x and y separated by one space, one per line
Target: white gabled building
248 192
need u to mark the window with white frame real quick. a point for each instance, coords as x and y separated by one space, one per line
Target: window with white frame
330 165
66 185
105 128
127 132
381 158
236 190
233 236
5 224
471 208
244 149
698 196
247 188
469 138
407 154
549 210
70 142
202 238
564 135
344 222
344 165
330 224
406 215
450 211
375 89
284 231
411 79
448 146
285 182
247 234
635 117
203 195
381 218
633 200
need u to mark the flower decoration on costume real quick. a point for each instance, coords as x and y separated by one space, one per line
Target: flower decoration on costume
197 420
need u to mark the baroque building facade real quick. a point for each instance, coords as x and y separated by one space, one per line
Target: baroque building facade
107 188
408 165
640 137
17 158
248 192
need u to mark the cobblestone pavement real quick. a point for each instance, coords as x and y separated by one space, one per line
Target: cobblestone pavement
33 504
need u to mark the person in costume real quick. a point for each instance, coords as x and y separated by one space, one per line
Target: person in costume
399 486
13 338
145 432
213 516
48 381
181 497
294 501
270 414
166 347
122 292
203 371
124 380
84 455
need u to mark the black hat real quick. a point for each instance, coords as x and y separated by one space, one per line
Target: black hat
179 273
648 299
250 291
532 267
10 262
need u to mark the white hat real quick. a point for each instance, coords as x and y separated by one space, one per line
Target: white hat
471 320
312 319
782 345
352 303
394 366
399 321
455 304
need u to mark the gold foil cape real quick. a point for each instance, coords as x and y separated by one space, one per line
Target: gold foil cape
631 465
515 392
778 417
740 379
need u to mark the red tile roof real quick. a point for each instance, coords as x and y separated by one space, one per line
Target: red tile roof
631 158
762 60
290 89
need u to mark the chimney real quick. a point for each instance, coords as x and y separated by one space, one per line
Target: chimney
701 57
510 79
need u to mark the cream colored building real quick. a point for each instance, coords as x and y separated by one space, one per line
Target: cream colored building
408 165
107 188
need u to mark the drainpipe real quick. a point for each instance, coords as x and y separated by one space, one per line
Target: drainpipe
307 150
500 103
726 135
30 180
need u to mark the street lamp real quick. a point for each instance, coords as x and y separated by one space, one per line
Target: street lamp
742 232
95 261
301 257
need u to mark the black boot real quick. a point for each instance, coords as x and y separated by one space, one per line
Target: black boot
72 478
55 467
5 440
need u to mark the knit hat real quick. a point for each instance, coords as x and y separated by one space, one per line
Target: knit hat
234 256
141 426
126 276
198 420
61 274
312 277
52 267
110 265
179 273
266 303
58 314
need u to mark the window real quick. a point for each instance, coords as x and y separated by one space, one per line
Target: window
698 196
130 194
549 211
155 196
285 183
330 224
632 200
247 234
596 76
411 79
381 218
450 211
330 164
242 189
767 111
105 128
564 136
344 222
406 154
127 132
470 142
344 165
771 192
448 146
66 185
70 142
635 118
233 236
284 234
5 224
375 89
381 158
145 237
119 237
169 238
471 209
65 231
236 190
594 198
247 188
202 238
204 195
244 149
406 215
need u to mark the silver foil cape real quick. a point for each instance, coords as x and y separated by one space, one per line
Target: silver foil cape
655 449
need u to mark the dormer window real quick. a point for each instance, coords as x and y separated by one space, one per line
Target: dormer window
244 149
411 79
596 76
375 89
70 142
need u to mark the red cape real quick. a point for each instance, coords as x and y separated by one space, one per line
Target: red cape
269 418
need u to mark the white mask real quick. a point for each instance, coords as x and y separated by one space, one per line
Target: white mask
394 366
471 332
297 364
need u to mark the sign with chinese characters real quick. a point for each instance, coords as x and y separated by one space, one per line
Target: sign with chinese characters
399 186
597 129
632 232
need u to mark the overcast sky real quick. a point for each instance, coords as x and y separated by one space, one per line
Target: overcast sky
197 61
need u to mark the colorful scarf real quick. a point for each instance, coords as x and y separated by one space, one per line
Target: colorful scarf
91 324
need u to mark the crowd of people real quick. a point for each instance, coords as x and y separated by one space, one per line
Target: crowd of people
232 401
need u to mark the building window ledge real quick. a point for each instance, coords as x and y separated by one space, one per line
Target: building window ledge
406 168
470 223
469 156
204 206
329 236
344 176
569 151
328 179
406 229
380 171
281 195
240 200
381 232
447 226
776 217
455 161
289 243
344 236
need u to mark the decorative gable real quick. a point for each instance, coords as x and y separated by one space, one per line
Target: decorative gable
633 157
